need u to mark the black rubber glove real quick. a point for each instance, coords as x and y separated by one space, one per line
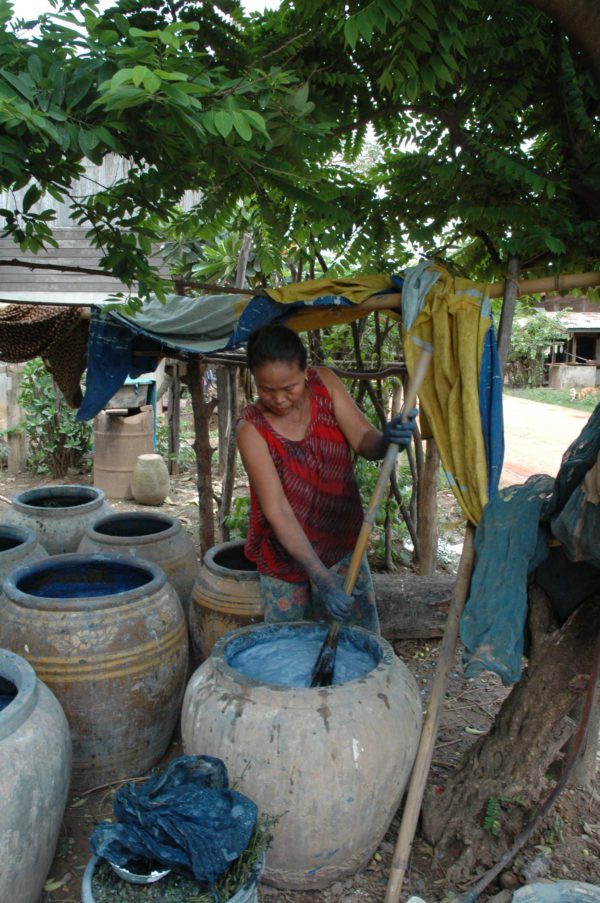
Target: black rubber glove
335 600
398 432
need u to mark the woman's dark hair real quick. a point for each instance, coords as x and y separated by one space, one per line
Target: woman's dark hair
273 343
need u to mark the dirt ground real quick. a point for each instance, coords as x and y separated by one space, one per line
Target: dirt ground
568 846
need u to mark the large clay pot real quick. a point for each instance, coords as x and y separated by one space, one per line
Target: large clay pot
35 767
226 596
18 545
153 537
58 514
150 481
108 635
331 763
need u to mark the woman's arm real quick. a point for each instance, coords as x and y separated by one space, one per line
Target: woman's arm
269 493
363 437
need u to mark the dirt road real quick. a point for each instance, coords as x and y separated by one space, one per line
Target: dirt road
536 436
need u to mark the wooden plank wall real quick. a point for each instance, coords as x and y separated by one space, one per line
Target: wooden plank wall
74 248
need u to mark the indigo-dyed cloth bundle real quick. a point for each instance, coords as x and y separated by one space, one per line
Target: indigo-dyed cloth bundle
186 819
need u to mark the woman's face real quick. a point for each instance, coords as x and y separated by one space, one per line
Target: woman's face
281 386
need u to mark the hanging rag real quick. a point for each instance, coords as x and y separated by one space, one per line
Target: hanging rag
461 395
57 334
186 819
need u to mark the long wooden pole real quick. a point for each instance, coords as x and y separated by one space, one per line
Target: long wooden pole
416 789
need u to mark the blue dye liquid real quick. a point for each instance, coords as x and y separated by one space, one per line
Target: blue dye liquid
6 700
82 580
288 661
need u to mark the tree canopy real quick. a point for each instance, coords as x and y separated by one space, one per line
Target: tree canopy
484 122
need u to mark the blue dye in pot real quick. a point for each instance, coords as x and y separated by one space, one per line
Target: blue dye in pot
8 692
286 656
75 580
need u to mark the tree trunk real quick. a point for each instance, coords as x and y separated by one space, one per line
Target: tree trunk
202 411
585 768
412 607
507 768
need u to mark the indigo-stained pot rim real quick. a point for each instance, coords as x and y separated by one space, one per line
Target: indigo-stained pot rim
219 656
157 581
19 672
26 538
21 503
94 533
232 573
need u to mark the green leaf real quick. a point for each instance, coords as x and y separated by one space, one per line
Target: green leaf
34 66
554 244
21 83
351 31
300 97
223 123
120 77
32 196
166 37
152 82
88 140
256 119
137 75
241 125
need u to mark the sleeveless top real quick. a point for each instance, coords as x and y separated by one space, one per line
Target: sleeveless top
318 481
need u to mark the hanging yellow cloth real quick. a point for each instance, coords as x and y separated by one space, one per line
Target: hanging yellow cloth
454 320
355 290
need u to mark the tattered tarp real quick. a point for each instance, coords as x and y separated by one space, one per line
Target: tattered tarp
186 818
461 398
517 537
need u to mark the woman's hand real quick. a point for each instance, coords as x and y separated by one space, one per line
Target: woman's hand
400 432
337 602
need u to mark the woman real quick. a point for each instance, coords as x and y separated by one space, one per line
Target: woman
305 512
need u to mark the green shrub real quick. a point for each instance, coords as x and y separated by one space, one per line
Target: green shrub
57 441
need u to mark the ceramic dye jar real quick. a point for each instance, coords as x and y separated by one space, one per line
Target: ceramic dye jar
18 545
332 763
154 537
226 596
35 769
108 635
58 514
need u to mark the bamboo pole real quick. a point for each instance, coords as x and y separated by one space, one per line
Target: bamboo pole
422 764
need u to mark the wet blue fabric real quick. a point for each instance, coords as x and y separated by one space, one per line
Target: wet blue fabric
490 409
507 550
186 818
512 542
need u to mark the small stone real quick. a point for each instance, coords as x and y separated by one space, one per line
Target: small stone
509 880
337 889
536 869
505 896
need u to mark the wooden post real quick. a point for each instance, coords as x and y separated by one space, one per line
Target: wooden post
202 410
17 449
427 521
223 404
230 457
511 293
174 421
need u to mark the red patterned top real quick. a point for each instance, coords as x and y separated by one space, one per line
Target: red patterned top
318 480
